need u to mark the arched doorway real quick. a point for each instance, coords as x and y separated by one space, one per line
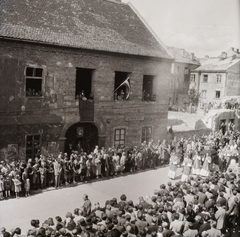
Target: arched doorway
81 136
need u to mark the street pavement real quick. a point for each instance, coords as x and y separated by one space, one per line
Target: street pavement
50 203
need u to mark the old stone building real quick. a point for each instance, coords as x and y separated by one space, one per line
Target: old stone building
74 74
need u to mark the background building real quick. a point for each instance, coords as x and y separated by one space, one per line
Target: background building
75 74
218 77
181 69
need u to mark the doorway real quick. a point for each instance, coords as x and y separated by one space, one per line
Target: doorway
81 137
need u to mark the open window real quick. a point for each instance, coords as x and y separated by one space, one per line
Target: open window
122 86
34 81
84 84
147 93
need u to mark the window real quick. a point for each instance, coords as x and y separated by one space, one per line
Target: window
186 71
193 78
205 78
147 93
119 137
122 86
178 69
217 94
219 78
32 145
204 93
146 134
34 80
84 84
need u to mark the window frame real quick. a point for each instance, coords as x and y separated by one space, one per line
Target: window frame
34 77
204 77
217 91
117 88
193 78
120 135
218 78
152 95
205 94
146 138
32 148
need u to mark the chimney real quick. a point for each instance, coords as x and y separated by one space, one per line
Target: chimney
206 56
223 55
237 50
192 56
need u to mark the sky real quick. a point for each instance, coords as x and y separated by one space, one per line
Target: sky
203 27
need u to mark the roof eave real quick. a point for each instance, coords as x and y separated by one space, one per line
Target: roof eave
75 47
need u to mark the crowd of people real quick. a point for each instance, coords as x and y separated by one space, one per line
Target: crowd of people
206 199
213 151
196 207
210 105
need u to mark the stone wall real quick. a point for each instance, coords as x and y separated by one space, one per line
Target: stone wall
58 107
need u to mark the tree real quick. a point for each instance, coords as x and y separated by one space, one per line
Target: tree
192 98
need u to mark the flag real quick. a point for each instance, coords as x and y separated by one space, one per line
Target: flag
128 86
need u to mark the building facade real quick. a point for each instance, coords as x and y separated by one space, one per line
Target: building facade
181 70
218 77
75 76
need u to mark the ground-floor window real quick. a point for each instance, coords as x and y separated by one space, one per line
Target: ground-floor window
33 143
217 94
146 134
119 137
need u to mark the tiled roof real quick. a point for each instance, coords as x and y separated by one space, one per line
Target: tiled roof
217 64
90 24
182 56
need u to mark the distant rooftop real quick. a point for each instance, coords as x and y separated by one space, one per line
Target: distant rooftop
181 55
221 63
102 25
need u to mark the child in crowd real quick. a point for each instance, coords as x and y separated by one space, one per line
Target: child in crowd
7 186
27 187
1 187
17 185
